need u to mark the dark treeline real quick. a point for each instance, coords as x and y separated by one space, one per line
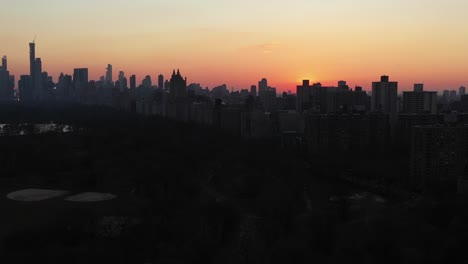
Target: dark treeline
192 194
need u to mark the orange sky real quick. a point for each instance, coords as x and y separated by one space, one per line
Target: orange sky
238 43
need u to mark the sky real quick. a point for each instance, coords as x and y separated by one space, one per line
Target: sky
240 42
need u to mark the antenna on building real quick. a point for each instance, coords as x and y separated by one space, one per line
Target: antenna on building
34 40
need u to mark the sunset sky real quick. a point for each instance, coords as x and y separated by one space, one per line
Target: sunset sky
239 42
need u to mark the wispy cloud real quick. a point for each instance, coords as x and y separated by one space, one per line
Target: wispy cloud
266 48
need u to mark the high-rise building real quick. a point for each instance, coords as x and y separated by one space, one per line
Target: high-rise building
32 67
38 88
263 85
253 91
167 85
161 81
4 63
65 87
133 82
178 106
384 98
446 96
420 101
147 83
25 89
453 95
461 91
122 81
178 86
80 82
6 88
109 74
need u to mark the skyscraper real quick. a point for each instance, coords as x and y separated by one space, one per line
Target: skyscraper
122 81
32 67
263 85
178 85
462 91
133 82
80 82
384 97
109 74
6 89
4 63
453 95
253 91
178 105
38 89
147 83
161 81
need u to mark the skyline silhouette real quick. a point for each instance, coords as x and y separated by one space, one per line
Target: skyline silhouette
233 132
236 43
109 71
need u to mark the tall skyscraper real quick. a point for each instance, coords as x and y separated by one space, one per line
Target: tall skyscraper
80 82
4 63
253 91
122 81
453 95
446 96
178 86
147 83
32 66
161 81
38 89
6 89
109 74
384 97
133 82
263 85
461 91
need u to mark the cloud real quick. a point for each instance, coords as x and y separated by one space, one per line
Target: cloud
266 48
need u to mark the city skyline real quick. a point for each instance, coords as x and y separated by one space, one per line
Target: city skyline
240 43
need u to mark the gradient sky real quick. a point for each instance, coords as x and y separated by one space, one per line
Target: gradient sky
239 42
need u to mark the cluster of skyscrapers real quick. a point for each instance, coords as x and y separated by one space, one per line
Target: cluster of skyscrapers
330 121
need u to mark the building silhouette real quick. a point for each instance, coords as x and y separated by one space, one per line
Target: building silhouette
419 101
25 91
384 98
109 78
80 83
133 82
6 82
4 63
178 86
38 88
178 106
32 68
253 90
161 81
461 91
